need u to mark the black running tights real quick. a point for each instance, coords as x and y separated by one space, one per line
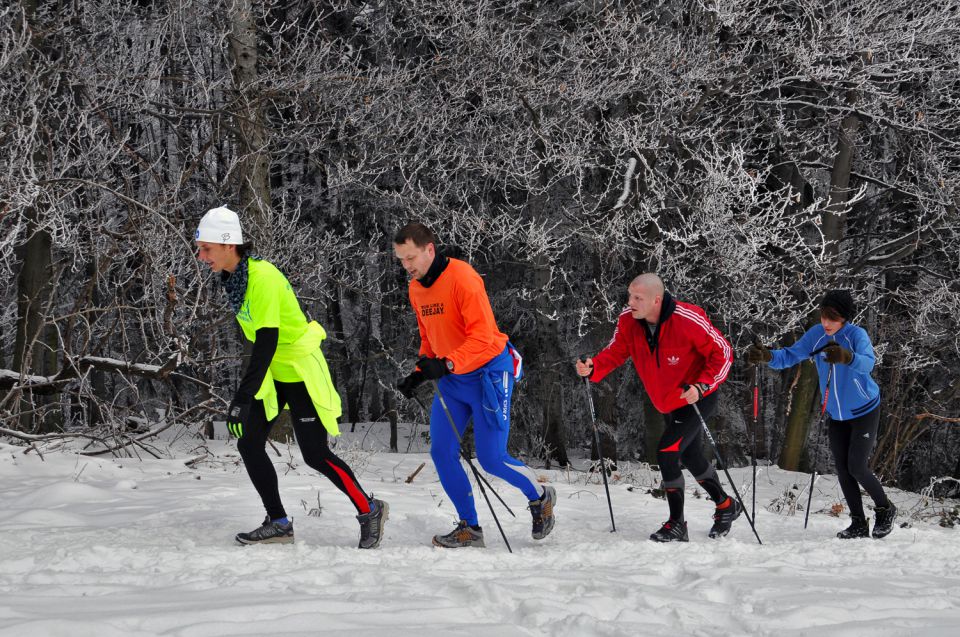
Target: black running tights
852 442
312 439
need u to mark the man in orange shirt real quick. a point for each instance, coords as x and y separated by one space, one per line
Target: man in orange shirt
476 368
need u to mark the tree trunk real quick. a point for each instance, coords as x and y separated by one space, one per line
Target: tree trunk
605 399
339 370
798 419
835 212
33 288
35 347
253 171
390 407
550 389
548 384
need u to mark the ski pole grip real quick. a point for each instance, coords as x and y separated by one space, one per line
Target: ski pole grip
820 349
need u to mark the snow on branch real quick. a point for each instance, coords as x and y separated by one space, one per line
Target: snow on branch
631 167
10 379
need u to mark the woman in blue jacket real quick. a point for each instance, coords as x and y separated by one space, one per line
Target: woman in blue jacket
844 357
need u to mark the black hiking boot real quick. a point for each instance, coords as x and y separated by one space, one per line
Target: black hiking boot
463 535
371 524
542 512
883 523
858 528
723 518
671 531
268 533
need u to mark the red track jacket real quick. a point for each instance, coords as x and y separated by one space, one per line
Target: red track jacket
685 349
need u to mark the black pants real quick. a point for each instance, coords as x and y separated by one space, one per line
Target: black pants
852 442
680 446
312 438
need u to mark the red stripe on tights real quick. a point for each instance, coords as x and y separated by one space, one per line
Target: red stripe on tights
358 497
674 447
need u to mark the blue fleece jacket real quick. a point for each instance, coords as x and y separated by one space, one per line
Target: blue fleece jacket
853 391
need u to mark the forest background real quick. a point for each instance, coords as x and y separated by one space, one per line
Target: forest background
754 154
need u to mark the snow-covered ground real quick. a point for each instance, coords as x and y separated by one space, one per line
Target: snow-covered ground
102 546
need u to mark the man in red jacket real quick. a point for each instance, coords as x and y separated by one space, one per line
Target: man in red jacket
673 345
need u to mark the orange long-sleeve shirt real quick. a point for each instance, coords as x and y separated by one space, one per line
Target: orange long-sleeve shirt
455 319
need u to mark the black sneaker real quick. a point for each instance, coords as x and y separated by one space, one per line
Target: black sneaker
883 523
463 535
371 524
542 512
268 533
858 528
723 518
671 531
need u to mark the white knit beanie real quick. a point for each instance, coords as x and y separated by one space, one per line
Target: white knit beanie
220 225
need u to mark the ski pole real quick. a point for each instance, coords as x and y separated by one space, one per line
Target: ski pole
816 450
596 440
443 403
756 416
720 461
465 457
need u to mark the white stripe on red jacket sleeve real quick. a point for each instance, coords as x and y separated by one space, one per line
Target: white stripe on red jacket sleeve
722 346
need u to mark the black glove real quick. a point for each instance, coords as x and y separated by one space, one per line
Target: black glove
433 368
758 353
238 415
410 383
834 353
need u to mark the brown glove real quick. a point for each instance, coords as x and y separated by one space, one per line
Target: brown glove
834 353
758 353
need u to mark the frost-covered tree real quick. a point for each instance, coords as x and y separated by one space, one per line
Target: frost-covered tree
752 154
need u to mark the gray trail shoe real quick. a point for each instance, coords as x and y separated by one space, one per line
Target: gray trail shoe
268 533
372 523
542 512
463 535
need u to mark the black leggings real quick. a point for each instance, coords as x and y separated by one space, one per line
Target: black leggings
312 438
680 446
852 442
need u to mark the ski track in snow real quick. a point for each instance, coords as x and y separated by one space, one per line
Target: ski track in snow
122 547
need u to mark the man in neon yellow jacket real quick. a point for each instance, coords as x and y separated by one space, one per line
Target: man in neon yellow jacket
286 369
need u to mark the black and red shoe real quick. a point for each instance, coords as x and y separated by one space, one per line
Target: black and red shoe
671 531
723 517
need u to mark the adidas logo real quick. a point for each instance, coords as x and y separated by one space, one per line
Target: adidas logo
673 360
866 435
